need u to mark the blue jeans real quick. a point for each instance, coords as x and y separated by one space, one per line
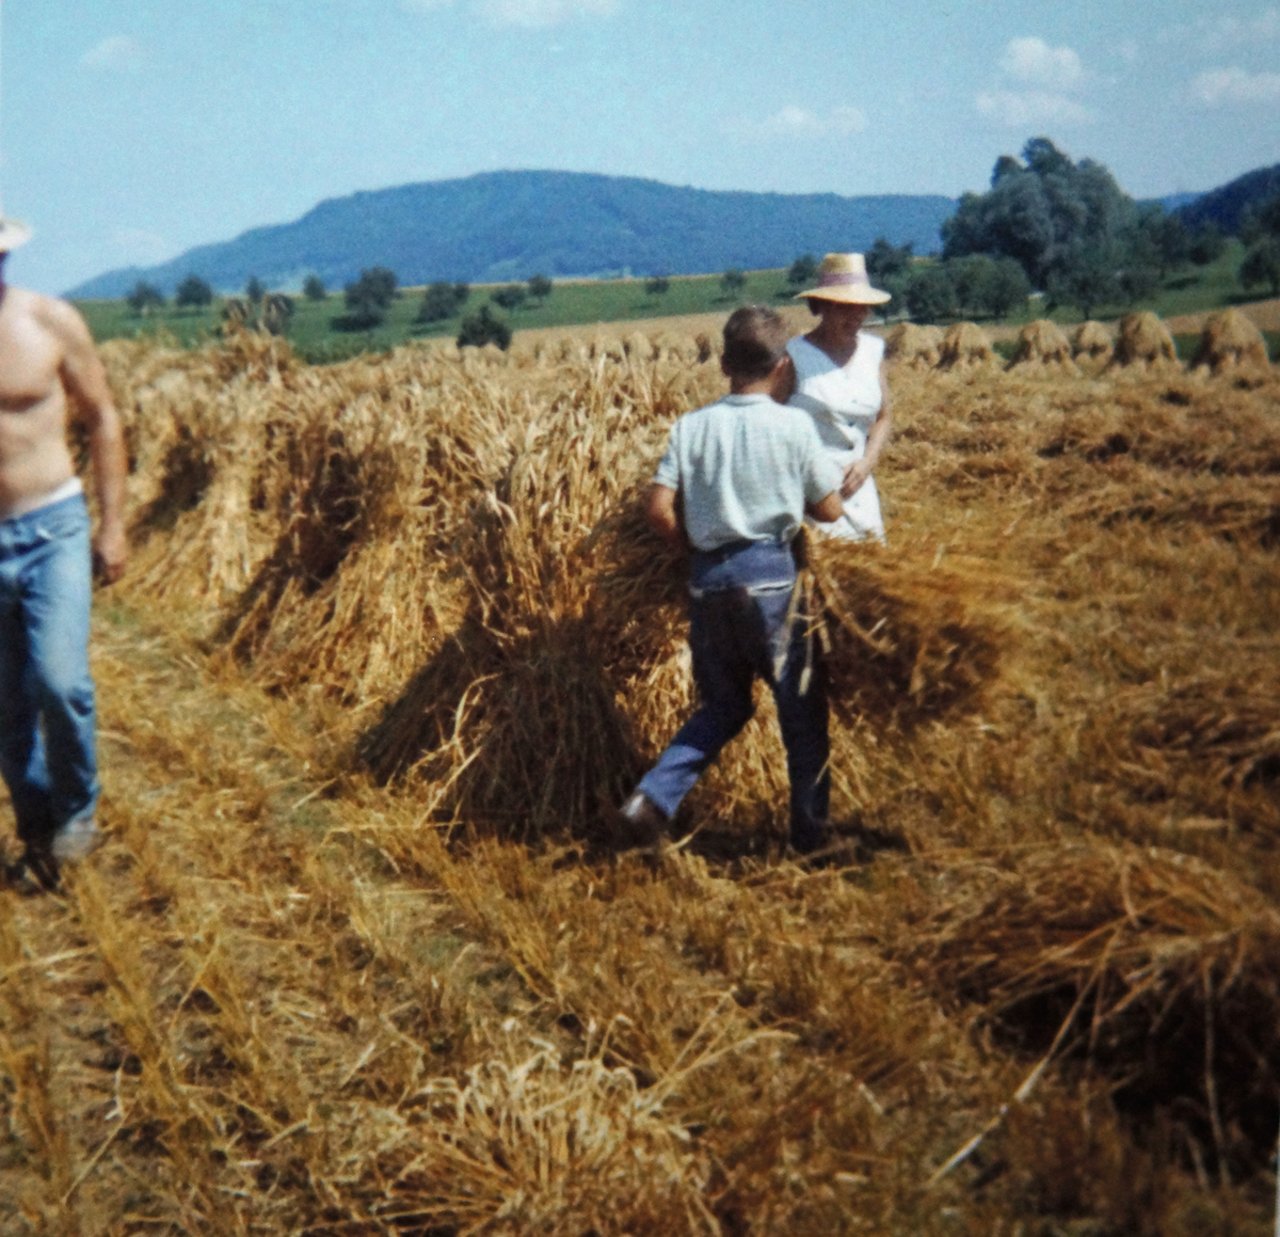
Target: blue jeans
738 634
47 753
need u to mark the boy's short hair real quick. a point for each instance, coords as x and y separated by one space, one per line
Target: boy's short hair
755 340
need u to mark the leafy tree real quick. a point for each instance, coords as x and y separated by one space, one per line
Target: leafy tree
987 286
1006 165
930 294
368 299
1005 287
968 274
313 288
539 287
1085 277
1259 221
511 297
733 281
802 271
1261 265
1207 244
1138 283
461 292
1269 216
1165 239
441 300
483 328
657 285
378 283
254 290
1037 210
194 292
886 261
144 298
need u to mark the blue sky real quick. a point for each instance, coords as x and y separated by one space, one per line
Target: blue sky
131 130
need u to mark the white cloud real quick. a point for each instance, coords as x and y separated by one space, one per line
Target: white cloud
532 13
119 51
1235 85
1033 61
1043 81
793 121
1028 108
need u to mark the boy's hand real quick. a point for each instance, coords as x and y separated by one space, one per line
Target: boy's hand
663 514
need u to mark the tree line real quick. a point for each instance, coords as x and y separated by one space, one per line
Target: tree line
367 301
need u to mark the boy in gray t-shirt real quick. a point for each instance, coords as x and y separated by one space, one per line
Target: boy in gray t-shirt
734 485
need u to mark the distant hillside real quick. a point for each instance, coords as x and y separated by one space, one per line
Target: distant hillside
1173 202
1225 205
509 225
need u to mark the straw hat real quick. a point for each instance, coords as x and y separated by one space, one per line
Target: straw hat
12 234
843 277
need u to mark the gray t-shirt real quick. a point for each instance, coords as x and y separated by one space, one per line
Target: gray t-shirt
744 468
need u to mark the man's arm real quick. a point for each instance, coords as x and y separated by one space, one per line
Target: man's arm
86 385
662 510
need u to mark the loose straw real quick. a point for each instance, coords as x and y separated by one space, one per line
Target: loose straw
1028 1085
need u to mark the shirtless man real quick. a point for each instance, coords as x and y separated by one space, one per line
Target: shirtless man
49 372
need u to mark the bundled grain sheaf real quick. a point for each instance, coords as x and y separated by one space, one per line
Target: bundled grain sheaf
917 347
908 637
1091 341
1042 344
965 346
1144 341
1231 342
518 710
221 473
1166 970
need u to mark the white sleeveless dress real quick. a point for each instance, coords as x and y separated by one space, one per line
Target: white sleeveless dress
844 402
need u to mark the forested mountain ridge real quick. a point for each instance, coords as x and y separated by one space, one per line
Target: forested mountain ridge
497 226
1228 205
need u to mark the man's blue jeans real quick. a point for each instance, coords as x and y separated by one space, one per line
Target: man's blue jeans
47 753
738 634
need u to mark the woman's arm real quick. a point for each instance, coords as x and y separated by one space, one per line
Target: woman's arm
857 472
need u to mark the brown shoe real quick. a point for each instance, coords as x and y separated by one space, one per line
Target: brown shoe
640 823
35 871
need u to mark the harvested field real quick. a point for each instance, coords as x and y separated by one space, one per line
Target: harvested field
394 642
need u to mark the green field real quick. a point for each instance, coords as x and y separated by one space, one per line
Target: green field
570 304
584 302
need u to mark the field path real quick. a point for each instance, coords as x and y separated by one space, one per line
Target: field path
159 1015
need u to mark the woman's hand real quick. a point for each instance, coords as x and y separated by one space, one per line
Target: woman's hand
854 478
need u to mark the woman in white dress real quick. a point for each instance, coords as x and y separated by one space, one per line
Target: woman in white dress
840 382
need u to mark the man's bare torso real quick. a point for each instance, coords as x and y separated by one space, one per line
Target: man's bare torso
34 456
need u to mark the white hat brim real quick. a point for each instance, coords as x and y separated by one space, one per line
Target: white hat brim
847 295
13 233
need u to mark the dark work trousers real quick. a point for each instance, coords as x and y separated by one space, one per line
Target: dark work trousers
738 634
